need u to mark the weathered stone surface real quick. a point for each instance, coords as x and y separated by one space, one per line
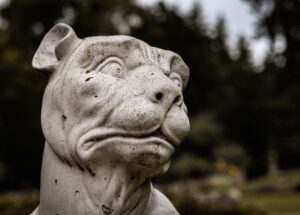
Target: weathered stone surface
112 116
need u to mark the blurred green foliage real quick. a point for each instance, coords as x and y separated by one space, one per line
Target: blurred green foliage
18 203
278 20
275 203
232 153
284 181
23 203
230 100
218 195
190 166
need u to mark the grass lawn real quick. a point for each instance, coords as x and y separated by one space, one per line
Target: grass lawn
18 203
284 179
283 203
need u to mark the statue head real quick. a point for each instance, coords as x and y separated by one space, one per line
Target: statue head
111 101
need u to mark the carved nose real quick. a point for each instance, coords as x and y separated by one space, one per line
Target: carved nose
167 95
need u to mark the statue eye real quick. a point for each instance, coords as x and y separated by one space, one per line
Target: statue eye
113 67
175 77
177 83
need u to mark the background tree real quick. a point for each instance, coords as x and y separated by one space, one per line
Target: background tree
229 101
279 22
22 87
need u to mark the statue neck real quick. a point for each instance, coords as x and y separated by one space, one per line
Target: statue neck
67 189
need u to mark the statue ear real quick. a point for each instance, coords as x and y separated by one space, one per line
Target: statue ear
55 46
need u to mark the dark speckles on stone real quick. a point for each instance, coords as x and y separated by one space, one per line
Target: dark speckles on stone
87 71
80 167
77 192
55 181
95 96
87 79
106 210
91 171
67 162
64 119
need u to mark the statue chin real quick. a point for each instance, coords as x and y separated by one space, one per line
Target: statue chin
150 154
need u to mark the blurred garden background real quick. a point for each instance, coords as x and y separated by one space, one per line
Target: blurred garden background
242 156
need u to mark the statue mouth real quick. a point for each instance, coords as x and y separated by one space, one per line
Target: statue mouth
160 135
165 135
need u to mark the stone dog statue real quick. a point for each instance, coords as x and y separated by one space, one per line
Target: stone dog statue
112 115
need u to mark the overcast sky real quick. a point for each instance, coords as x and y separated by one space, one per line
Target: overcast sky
240 19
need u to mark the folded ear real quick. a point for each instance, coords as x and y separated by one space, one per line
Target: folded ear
55 46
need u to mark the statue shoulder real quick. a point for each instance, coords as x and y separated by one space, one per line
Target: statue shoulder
160 204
